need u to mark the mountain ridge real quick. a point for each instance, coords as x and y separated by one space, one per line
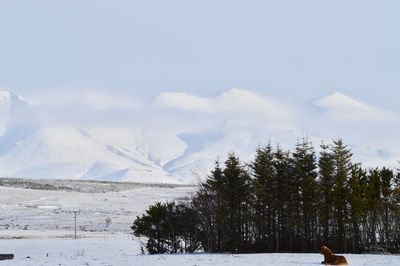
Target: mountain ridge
176 154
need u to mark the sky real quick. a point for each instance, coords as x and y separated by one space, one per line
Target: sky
294 50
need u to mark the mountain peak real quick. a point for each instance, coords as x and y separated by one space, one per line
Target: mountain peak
4 91
237 91
338 100
10 100
5 97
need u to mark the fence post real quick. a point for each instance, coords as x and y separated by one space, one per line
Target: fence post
75 223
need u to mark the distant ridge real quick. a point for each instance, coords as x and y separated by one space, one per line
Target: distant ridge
205 128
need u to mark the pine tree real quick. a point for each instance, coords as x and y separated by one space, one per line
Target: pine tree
342 166
215 187
235 196
306 194
282 206
223 202
282 197
263 173
204 205
326 184
395 199
186 219
357 200
153 225
387 180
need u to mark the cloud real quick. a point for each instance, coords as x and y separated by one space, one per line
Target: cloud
236 120
234 102
184 102
235 111
85 107
85 98
99 101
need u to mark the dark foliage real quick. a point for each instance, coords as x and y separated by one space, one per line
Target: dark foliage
282 202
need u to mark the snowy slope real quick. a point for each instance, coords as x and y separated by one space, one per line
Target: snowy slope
66 152
31 149
12 107
342 107
368 130
178 136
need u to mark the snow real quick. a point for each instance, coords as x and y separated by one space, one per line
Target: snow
337 100
234 101
177 137
37 226
338 106
64 152
121 252
4 100
28 213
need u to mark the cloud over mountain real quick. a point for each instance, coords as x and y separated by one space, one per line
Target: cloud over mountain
93 135
232 102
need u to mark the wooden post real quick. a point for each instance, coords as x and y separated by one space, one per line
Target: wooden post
75 223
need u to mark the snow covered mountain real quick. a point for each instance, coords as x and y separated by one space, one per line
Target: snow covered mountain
178 136
66 152
31 149
341 107
11 106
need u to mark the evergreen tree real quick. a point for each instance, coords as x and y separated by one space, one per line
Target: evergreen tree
326 184
153 225
373 203
357 200
387 182
263 172
396 212
214 185
305 173
282 196
282 206
170 228
342 167
186 218
235 196
204 203
223 203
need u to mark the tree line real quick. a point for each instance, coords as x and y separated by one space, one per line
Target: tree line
282 201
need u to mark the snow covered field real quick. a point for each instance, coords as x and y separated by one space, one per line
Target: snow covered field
33 214
127 252
38 227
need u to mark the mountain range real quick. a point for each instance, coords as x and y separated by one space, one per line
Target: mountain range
176 137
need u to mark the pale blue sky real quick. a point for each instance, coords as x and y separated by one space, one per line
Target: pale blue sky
296 50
